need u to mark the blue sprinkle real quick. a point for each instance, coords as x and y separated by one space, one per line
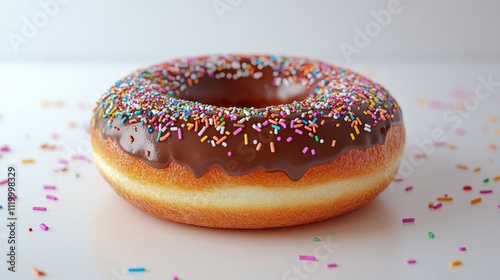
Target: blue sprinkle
136 269
150 130
276 127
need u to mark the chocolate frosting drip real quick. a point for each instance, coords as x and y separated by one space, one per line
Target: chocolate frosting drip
162 114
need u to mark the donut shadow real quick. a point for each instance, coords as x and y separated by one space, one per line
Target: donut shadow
123 233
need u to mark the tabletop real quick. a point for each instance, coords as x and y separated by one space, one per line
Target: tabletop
449 182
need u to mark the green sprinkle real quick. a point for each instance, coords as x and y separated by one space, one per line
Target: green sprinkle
431 235
316 239
77 175
486 180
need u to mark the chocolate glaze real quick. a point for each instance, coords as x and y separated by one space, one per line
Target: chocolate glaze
288 157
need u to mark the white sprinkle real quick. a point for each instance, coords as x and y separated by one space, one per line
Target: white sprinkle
202 131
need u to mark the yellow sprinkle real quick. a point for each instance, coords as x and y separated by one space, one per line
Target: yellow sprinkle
475 200
204 138
445 198
352 136
356 129
101 112
245 139
28 160
93 121
455 263
190 124
227 132
337 125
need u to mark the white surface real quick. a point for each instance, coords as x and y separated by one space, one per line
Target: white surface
94 234
154 29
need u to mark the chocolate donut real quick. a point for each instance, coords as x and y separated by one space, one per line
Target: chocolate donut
247 141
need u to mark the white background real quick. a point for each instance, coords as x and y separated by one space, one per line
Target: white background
154 30
430 56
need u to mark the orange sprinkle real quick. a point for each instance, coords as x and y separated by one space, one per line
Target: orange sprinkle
131 138
334 142
164 137
452 147
455 263
28 160
445 198
271 145
430 205
147 153
475 200
496 178
422 155
38 272
477 169
258 146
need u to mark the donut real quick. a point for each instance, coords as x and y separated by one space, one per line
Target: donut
247 141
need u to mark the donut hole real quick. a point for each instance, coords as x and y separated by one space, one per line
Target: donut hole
256 91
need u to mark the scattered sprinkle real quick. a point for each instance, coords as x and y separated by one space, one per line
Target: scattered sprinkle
51 197
430 205
485 191
38 272
44 227
411 261
455 263
4 181
408 220
30 229
49 187
486 180
496 178
409 188
467 188
331 265
475 200
461 249
307 258
39 208
430 234
136 269
28 161
477 169
445 198
437 206
316 239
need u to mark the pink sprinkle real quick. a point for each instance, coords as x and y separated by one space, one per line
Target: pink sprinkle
398 179
305 150
461 249
485 191
307 258
409 188
313 152
289 139
437 206
39 208
175 278
49 187
4 181
292 123
278 138
265 123
412 261
229 153
51 197
44 227
179 133
298 131
331 265
63 161
282 124
238 130
408 220
5 149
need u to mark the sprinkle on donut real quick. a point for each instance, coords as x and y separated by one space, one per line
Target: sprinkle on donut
342 110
